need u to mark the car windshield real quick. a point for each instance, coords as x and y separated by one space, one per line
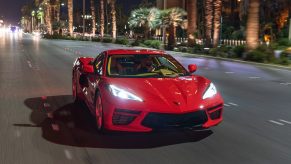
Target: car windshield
144 66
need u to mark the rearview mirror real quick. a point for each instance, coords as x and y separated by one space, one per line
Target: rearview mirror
192 68
88 68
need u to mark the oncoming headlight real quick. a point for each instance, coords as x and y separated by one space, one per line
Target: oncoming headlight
118 92
210 92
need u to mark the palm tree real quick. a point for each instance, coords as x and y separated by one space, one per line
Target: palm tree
48 16
217 21
192 21
58 10
172 18
252 31
208 21
70 15
102 21
93 16
113 18
146 18
26 17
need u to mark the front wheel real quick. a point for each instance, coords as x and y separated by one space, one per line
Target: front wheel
99 114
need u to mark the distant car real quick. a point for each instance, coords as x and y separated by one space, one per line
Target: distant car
13 29
144 90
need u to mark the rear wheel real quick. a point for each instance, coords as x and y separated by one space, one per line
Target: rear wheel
99 114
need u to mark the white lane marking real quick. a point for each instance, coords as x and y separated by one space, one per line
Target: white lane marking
230 103
285 83
277 69
254 77
287 122
226 105
68 154
17 133
229 72
29 63
275 122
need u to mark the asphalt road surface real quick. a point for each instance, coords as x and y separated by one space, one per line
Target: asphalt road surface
39 124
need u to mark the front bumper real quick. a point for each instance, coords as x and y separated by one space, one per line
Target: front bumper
120 119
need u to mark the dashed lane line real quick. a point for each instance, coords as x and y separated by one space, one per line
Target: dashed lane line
233 104
285 83
276 122
284 121
226 105
254 77
29 64
68 154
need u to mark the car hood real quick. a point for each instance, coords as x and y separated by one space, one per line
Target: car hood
181 94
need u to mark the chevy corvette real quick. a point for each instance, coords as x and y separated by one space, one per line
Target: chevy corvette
144 90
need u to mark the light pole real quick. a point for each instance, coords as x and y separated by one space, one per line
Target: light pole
84 3
32 20
290 28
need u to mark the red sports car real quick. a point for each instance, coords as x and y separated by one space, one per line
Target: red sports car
144 90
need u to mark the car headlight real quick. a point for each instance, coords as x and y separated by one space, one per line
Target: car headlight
210 92
118 92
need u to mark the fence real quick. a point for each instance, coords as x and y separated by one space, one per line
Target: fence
227 42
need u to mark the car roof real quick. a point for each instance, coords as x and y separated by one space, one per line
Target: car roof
134 52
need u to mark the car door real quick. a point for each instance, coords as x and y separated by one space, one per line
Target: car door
94 79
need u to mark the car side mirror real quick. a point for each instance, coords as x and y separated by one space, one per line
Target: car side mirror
88 68
192 68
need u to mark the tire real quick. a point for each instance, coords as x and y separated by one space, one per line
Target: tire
99 118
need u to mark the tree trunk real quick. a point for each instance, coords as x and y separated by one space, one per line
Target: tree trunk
113 17
192 21
208 21
252 31
48 18
217 22
92 4
172 37
70 15
146 33
58 10
102 23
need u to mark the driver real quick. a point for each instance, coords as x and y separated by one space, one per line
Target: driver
146 65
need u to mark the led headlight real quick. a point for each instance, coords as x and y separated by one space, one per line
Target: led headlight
118 92
210 92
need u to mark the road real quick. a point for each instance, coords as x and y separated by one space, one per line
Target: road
40 124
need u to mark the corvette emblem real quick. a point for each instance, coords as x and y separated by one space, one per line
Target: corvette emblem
177 103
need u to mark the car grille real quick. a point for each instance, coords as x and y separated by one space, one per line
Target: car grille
215 112
124 117
163 121
215 115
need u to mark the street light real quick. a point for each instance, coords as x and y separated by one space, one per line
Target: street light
84 3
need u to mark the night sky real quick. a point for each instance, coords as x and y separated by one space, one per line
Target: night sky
10 9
